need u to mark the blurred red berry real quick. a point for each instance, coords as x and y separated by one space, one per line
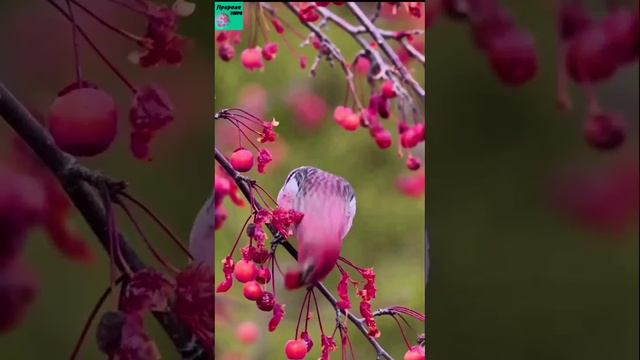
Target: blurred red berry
605 131
241 160
588 57
513 57
623 32
573 18
18 289
247 332
413 185
278 26
84 121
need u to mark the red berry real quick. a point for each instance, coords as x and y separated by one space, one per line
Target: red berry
388 90
278 26
252 290
264 276
605 131
456 9
413 163
573 19
18 289
242 160
84 121
266 302
226 52
296 349
245 271
421 131
260 255
490 23
341 113
270 51
247 332
588 57
251 59
408 139
513 57
415 353
383 138
362 65
623 32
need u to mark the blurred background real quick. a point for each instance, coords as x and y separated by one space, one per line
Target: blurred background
534 235
37 61
388 230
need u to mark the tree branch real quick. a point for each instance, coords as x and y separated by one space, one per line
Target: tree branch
241 181
86 199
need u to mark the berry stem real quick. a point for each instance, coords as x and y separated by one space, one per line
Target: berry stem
150 246
233 249
404 337
157 220
306 299
74 35
114 28
92 315
96 49
317 311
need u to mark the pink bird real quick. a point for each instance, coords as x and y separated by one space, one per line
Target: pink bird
328 203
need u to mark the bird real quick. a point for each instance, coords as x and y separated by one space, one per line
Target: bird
328 203
201 236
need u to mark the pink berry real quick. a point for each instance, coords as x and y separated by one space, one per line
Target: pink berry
362 65
226 52
513 57
296 349
605 131
383 138
241 160
84 121
413 163
264 276
245 271
252 290
351 122
341 113
247 332
415 353
251 59
388 90
266 302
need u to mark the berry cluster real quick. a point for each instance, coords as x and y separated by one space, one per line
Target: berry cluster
593 51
